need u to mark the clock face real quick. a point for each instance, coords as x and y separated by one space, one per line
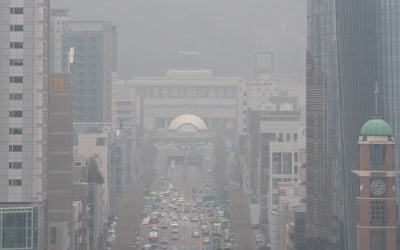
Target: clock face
378 187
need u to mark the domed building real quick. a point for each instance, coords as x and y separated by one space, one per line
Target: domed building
376 127
187 123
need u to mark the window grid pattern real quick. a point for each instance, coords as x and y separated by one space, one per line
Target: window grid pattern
18 228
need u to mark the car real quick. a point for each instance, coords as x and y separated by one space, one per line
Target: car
154 228
146 247
206 240
259 239
146 221
205 231
196 234
228 246
164 241
227 238
194 218
174 237
164 226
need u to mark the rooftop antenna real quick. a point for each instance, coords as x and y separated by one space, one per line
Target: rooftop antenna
376 92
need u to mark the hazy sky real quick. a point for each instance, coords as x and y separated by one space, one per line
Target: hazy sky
227 33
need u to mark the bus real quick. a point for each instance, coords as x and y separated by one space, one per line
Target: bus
153 237
154 220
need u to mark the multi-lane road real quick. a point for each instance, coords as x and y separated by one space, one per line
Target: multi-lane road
184 220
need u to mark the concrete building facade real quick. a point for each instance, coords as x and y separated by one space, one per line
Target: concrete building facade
24 74
60 159
188 91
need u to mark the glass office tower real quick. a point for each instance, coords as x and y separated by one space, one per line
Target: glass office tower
368 52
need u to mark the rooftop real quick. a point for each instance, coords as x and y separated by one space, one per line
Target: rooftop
376 127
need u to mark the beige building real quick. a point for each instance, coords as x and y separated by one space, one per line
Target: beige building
188 91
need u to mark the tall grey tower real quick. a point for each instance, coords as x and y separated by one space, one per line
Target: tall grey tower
24 29
323 205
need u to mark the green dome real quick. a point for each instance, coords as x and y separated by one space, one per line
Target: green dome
376 127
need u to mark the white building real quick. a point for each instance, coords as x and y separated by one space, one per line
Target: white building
24 62
259 95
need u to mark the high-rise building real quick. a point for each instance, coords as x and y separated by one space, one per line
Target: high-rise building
24 29
376 228
324 199
60 161
94 43
351 48
368 53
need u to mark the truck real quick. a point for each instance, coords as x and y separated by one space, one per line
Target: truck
255 215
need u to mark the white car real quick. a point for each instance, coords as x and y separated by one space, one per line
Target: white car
146 221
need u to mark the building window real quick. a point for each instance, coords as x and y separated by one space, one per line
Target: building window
17 10
296 156
53 235
15 131
275 199
17 226
16 113
15 182
16 62
16 45
288 137
295 137
377 156
275 182
286 163
16 96
101 141
378 239
15 148
276 163
16 79
16 27
15 165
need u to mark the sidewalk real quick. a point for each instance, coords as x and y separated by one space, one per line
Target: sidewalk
240 220
129 219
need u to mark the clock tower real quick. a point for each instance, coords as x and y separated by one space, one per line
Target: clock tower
376 228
